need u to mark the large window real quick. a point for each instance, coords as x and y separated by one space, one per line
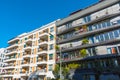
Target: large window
51 29
51 37
111 35
50 67
50 56
51 46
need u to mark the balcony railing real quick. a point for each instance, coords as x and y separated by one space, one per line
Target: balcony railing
43 42
25 64
79 46
41 50
9 73
12 46
11 52
28 47
26 54
12 57
69 59
9 65
29 40
42 61
66 29
77 34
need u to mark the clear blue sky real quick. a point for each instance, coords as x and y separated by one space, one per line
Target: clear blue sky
19 16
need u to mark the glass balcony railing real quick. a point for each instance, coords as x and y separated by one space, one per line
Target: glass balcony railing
69 26
84 33
12 57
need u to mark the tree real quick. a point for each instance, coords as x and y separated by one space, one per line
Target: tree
56 71
73 65
57 47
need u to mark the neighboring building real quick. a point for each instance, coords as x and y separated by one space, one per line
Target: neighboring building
94 33
2 58
31 52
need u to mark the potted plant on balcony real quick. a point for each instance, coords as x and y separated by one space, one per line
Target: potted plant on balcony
85 41
83 53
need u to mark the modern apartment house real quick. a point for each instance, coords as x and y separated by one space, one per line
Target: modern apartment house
2 58
31 52
91 37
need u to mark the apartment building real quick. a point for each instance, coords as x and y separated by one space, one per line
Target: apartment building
32 52
91 37
2 58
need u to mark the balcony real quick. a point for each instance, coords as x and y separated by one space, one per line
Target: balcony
69 56
26 55
70 28
24 73
40 52
27 47
8 74
29 40
43 42
26 63
13 46
11 52
13 58
41 72
13 40
85 46
42 60
10 66
45 34
78 35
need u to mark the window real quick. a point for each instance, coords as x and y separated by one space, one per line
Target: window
21 41
101 37
16 42
24 46
106 36
25 38
50 56
108 23
51 46
50 67
103 25
18 55
51 29
51 37
96 38
116 34
99 26
111 35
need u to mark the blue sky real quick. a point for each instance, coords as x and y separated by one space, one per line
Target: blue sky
19 16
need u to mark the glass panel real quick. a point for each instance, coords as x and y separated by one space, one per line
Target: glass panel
108 23
101 37
109 50
116 34
111 35
106 36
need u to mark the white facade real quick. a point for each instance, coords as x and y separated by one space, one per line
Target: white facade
2 58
